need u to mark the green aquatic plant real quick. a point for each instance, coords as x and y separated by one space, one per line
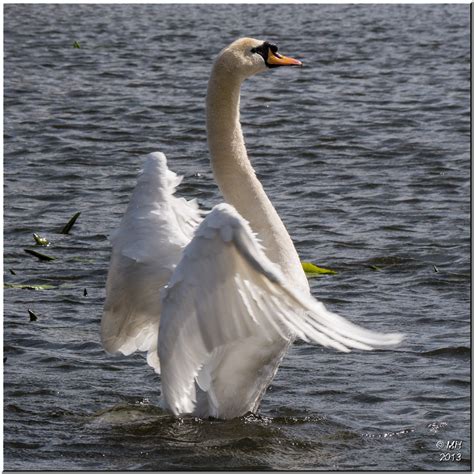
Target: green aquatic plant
40 256
67 228
40 240
76 45
22 286
312 270
33 316
374 268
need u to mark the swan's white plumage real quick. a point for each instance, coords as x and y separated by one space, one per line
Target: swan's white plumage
227 312
230 305
145 250
226 290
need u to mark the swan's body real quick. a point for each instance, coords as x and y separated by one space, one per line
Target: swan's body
215 309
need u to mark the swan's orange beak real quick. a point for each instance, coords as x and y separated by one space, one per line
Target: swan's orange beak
276 59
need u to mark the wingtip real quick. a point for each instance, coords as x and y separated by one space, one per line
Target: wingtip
155 162
156 156
225 208
391 339
397 337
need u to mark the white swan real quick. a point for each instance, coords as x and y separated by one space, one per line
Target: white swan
230 288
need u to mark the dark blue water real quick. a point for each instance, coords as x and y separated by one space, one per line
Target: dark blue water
365 154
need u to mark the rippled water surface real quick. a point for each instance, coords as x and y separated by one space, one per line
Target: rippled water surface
365 154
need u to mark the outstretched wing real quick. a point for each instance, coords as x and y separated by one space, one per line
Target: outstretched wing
225 289
145 251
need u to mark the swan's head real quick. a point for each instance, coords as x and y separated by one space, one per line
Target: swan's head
248 56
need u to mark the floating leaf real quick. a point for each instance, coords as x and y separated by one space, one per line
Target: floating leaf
13 272
374 268
435 268
85 291
76 45
21 286
33 316
40 240
68 226
311 269
41 256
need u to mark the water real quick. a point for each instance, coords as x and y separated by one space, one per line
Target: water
365 153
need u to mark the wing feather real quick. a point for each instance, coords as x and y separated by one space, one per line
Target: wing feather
224 290
145 251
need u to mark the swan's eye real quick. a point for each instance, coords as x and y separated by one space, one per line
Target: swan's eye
273 47
262 50
265 50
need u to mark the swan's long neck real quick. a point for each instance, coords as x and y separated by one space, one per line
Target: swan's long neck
236 177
